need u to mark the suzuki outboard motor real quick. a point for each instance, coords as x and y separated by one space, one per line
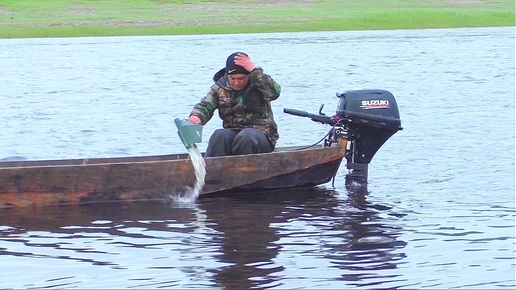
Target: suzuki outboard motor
366 118
370 118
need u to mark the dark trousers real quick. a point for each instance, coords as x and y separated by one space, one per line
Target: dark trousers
225 142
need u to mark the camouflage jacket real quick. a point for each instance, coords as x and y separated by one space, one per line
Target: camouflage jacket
247 108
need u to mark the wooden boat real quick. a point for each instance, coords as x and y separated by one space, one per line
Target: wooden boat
354 135
27 183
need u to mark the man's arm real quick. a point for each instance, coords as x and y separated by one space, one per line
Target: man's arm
264 83
202 112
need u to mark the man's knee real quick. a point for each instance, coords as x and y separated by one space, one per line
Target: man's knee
251 141
222 135
247 136
220 143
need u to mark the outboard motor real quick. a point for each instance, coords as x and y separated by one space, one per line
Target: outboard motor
370 118
366 118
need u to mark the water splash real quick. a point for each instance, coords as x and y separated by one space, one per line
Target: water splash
189 194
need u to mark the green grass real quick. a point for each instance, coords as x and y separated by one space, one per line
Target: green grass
69 18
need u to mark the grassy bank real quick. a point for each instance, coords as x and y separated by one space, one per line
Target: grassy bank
68 18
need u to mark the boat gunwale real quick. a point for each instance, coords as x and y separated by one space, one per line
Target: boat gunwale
23 164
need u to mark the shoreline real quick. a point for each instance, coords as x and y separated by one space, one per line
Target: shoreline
243 33
69 18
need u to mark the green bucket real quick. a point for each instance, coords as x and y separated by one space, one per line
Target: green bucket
188 132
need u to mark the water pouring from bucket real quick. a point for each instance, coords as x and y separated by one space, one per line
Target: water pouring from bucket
190 134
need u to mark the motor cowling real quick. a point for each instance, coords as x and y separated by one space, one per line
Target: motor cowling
370 117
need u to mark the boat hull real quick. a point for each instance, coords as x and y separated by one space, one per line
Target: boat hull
79 181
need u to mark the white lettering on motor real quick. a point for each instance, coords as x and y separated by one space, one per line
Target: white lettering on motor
375 104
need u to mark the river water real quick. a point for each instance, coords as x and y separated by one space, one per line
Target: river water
439 210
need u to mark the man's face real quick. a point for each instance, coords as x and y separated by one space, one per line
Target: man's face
238 81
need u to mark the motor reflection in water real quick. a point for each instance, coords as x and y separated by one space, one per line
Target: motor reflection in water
253 234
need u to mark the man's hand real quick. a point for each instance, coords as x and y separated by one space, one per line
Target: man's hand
244 61
194 119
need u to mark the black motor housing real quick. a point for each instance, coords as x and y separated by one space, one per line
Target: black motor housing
370 117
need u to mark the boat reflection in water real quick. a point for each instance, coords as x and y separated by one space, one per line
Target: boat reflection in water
253 240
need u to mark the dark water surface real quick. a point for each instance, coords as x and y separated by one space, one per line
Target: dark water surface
439 211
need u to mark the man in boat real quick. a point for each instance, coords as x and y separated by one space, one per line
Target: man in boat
242 93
